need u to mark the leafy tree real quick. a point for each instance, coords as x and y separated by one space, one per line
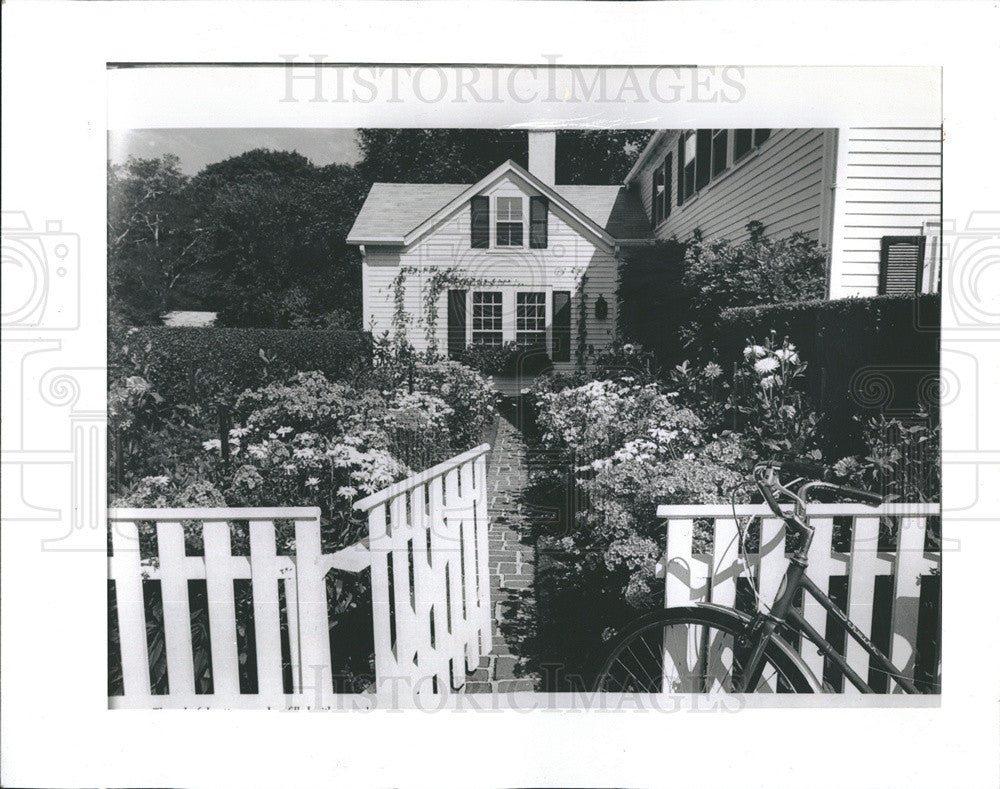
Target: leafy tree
437 155
274 228
151 236
597 156
466 155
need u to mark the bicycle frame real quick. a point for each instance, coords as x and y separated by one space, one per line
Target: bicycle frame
763 626
783 613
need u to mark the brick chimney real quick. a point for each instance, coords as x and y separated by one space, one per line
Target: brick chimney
542 155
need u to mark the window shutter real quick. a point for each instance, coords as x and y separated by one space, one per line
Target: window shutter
561 326
703 160
668 176
480 222
680 170
900 265
539 216
760 136
456 323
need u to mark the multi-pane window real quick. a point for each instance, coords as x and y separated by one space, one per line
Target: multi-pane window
720 150
510 223
530 319
742 143
658 187
690 161
487 319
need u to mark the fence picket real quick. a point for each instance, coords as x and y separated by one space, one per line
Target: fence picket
820 566
221 609
267 621
680 577
314 635
483 554
771 561
127 574
861 592
385 650
906 602
471 572
176 609
459 604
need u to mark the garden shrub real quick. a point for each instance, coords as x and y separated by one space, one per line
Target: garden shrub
508 360
867 356
671 294
203 366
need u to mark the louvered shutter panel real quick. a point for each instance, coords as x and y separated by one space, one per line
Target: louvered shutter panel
456 323
703 158
668 176
680 170
901 265
538 214
480 222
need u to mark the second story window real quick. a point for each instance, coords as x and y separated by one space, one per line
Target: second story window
657 195
687 163
510 224
720 150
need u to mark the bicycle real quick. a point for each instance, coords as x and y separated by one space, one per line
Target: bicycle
711 648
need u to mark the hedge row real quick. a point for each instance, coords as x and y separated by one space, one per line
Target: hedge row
865 355
204 366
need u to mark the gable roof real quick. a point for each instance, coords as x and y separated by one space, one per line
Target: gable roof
397 214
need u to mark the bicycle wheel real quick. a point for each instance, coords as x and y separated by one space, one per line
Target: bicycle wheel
694 650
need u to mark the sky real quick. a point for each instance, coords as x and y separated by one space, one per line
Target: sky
199 147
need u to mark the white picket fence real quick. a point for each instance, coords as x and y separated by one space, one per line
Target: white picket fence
428 552
694 578
429 543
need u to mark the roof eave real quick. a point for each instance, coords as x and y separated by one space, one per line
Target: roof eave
647 152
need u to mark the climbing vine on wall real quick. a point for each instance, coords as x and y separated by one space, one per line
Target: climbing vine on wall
439 282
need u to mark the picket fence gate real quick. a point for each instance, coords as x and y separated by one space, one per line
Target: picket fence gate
428 553
695 578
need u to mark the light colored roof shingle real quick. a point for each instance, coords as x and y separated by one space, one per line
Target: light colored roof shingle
392 210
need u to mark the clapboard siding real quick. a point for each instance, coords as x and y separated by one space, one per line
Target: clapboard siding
888 184
571 253
779 184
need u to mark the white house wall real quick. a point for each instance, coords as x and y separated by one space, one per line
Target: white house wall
888 184
780 184
571 253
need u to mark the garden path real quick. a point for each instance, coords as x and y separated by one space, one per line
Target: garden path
512 559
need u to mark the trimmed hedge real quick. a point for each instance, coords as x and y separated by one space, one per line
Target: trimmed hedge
865 355
204 366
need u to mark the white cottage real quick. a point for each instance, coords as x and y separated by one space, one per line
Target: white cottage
872 196
512 258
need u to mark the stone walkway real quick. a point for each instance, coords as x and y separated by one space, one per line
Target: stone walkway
512 561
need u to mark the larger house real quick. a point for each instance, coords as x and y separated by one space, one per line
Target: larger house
519 258
872 196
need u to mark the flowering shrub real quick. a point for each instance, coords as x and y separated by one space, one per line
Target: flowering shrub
769 395
633 448
903 462
470 396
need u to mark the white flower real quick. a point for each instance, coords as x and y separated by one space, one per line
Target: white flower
755 352
767 365
689 455
304 453
347 492
787 355
289 468
312 482
211 445
284 431
258 451
238 432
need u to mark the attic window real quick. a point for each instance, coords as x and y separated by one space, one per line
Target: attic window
510 224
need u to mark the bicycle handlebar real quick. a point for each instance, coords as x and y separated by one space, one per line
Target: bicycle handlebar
818 473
